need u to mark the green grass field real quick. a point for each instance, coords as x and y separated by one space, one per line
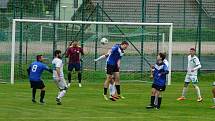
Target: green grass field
87 103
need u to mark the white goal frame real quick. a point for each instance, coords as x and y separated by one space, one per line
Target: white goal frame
170 25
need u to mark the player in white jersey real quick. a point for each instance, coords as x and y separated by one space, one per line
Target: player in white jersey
192 71
213 91
58 75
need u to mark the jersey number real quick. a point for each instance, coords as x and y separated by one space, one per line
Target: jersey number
34 68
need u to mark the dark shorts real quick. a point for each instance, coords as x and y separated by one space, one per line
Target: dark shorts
159 88
111 69
37 84
77 66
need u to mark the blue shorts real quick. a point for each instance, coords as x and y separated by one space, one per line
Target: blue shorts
77 66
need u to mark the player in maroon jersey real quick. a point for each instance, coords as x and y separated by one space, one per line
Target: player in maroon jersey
73 53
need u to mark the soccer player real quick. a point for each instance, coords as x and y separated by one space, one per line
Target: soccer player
58 75
113 65
73 53
192 71
213 91
160 70
112 87
35 71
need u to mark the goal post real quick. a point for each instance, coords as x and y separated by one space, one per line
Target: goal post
169 26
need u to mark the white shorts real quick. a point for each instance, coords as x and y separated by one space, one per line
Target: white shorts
213 83
61 84
192 78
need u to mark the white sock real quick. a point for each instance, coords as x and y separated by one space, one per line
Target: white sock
198 91
156 100
61 94
184 91
112 89
214 100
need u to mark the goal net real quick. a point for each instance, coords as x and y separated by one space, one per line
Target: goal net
33 37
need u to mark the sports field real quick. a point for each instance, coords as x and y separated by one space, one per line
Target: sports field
87 103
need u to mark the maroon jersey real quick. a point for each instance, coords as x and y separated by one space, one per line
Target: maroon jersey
73 54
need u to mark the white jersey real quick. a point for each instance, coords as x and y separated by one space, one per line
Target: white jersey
193 64
166 63
57 63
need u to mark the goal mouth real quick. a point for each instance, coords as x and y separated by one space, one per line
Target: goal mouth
144 39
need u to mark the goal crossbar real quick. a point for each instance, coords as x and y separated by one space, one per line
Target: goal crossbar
170 25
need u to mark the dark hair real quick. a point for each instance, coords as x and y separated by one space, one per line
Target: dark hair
57 52
124 42
162 55
38 57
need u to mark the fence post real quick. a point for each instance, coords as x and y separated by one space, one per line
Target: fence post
142 37
158 28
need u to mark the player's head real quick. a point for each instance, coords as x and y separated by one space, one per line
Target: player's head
124 45
75 43
192 51
57 53
161 57
39 58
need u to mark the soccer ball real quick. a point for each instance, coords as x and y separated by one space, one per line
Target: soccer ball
104 41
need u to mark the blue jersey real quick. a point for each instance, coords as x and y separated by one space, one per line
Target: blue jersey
36 69
115 55
160 72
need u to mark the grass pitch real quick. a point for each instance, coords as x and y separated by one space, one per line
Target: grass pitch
87 103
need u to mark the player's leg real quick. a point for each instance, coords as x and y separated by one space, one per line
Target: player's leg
63 87
34 90
153 91
195 82
117 84
213 92
69 74
159 96
185 88
42 92
78 70
109 75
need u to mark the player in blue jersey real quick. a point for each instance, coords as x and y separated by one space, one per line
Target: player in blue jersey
160 70
113 66
35 71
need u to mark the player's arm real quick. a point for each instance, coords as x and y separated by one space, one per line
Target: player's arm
165 70
48 69
198 65
152 68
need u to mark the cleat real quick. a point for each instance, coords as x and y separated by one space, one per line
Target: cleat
58 101
42 102
121 97
69 84
149 107
34 101
112 98
105 97
79 84
199 99
181 98
213 107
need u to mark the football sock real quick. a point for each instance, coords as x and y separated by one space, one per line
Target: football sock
69 77
152 100
159 101
33 93
61 94
156 100
105 91
198 91
79 77
118 89
184 91
42 95
112 89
